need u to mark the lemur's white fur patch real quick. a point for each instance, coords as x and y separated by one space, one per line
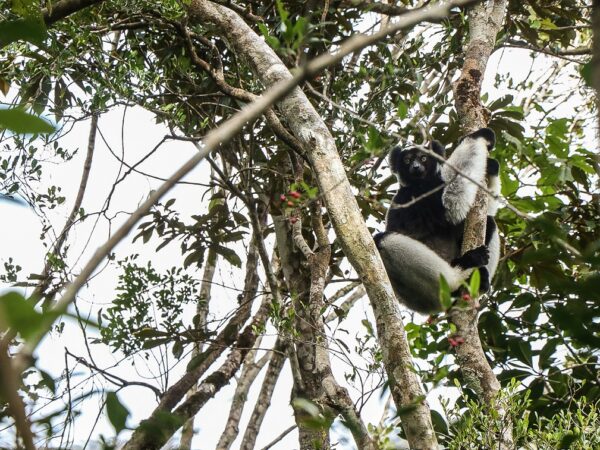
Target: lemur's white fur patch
470 158
494 185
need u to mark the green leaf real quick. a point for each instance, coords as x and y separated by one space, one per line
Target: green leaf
117 413
30 29
149 333
230 255
475 283
21 122
177 349
439 424
586 73
307 406
568 438
17 313
445 294
402 109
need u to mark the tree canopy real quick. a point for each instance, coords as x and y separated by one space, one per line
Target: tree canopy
257 263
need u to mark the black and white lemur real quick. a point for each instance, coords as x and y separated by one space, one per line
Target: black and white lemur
425 222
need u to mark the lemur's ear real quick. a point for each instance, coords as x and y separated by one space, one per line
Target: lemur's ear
394 159
438 148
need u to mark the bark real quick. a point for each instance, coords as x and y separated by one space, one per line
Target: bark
596 65
485 21
250 370
187 432
379 7
64 8
357 244
9 390
314 379
264 397
155 431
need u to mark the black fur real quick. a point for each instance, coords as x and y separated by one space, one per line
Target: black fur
486 133
493 167
419 213
477 257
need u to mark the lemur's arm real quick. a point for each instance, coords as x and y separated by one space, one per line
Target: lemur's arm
470 158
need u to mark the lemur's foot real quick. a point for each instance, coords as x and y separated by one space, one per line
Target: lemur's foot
477 257
493 167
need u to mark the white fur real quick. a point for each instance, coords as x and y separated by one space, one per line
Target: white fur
494 254
415 270
470 158
494 186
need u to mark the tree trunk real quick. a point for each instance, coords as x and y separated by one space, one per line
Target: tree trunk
308 127
485 21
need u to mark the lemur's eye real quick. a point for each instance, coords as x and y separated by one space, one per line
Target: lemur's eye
406 159
423 158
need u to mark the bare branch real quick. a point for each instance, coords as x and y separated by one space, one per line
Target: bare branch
250 370
263 400
279 438
10 390
62 237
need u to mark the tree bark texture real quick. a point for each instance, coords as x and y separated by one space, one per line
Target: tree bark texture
187 432
485 21
309 128
596 64
250 370
315 380
264 397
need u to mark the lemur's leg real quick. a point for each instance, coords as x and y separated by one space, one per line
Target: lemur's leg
414 270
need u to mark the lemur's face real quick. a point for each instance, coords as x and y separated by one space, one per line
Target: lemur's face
413 164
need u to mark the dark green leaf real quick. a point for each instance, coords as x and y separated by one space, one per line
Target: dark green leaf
117 413
445 294
17 313
439 424
21 122
177 349
30 29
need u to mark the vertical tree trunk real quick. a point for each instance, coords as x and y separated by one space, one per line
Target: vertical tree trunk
357 244
187 432
596 64
485 21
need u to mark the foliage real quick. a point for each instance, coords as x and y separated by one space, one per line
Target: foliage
147 310
575 427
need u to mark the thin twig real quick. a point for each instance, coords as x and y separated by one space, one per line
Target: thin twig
280 437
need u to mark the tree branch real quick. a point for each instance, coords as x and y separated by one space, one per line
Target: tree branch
356 241
250 370
263 400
